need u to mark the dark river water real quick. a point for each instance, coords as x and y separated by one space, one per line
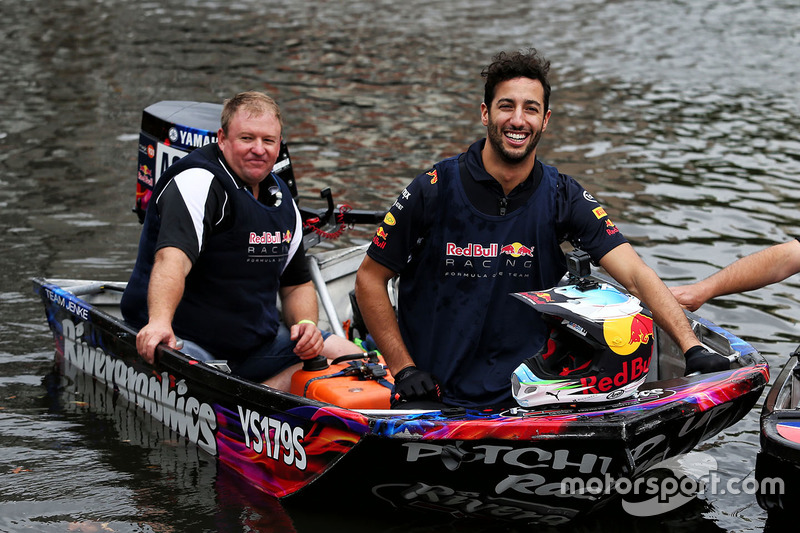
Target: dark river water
682 117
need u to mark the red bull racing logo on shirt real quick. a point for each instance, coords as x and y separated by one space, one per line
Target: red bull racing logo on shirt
492 250
472 250
268 247
270 238
488 260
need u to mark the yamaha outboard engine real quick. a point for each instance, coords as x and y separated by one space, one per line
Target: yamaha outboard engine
172 129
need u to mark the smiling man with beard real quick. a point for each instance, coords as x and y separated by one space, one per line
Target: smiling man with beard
477 227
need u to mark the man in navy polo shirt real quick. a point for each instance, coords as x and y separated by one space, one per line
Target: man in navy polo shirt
222 240
477 227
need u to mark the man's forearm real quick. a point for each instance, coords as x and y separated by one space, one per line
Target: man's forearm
379 315
167 282
667 312
754 271
299 302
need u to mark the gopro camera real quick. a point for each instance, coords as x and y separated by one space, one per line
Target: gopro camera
579 264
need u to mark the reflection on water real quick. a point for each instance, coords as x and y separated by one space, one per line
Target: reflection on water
682 117
157 462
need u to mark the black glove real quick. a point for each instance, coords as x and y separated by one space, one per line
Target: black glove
412 384
698 359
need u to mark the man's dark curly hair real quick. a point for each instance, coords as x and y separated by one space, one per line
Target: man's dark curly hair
506 67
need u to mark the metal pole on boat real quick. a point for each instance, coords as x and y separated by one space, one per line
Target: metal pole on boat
794 379
325 297
795 394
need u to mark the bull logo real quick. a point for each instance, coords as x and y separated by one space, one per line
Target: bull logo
516 250
625 335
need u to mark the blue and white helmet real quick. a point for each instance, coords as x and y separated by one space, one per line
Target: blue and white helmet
599 347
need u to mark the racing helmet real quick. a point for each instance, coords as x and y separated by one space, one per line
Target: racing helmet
599 347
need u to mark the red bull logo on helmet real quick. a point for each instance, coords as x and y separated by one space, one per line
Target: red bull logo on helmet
625 335
641 329
540 297
630 371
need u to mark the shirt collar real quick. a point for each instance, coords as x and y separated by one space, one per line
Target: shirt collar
474 161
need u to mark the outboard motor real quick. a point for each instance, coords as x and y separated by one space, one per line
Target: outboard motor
170 130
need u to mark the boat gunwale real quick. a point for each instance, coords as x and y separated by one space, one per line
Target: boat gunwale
618 417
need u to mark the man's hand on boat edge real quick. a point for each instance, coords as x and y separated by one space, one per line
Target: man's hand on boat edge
413 384
701 361
150 336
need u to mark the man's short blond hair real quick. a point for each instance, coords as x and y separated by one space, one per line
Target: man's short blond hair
254 102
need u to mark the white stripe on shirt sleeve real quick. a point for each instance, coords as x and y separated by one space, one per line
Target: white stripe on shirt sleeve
194 185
